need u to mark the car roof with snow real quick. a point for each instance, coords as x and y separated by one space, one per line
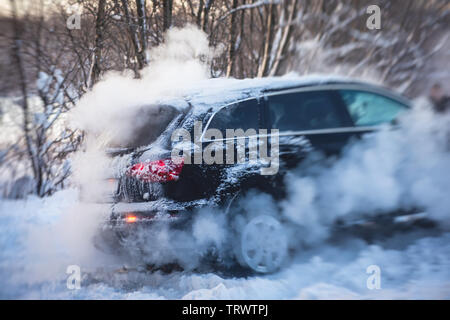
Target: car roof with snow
214 93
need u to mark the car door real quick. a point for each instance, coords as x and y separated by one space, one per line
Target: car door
237 126
326 119
306 121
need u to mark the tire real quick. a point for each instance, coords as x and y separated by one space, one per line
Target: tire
263 245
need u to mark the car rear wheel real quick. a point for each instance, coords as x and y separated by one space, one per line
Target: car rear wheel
263 244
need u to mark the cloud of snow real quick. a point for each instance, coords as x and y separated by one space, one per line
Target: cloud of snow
109 115
112 113
119 105
116 104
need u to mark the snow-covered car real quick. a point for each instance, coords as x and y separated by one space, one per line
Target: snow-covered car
297 116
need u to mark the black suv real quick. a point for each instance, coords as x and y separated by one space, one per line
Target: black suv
301 116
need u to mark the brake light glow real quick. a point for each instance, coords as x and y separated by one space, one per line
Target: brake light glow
157 171
130 218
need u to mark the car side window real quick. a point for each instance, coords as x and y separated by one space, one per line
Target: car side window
305 111
241 115
370 109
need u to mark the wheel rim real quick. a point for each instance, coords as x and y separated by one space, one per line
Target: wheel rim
264 244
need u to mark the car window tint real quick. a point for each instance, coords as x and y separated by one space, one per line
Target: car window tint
305 111
242 115
369 109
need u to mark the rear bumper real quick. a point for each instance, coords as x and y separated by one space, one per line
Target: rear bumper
151 212
118 232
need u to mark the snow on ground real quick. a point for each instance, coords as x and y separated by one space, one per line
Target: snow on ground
37 245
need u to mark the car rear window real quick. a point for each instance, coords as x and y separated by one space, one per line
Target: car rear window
150 123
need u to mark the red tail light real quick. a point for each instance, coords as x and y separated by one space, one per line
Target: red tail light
157 171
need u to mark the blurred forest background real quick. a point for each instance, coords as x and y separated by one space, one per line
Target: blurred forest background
46 64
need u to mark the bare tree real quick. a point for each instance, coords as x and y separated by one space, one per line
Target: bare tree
137 40
140 6
17 57
285 32
99 33
167 9
232 39
264 65
43 104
